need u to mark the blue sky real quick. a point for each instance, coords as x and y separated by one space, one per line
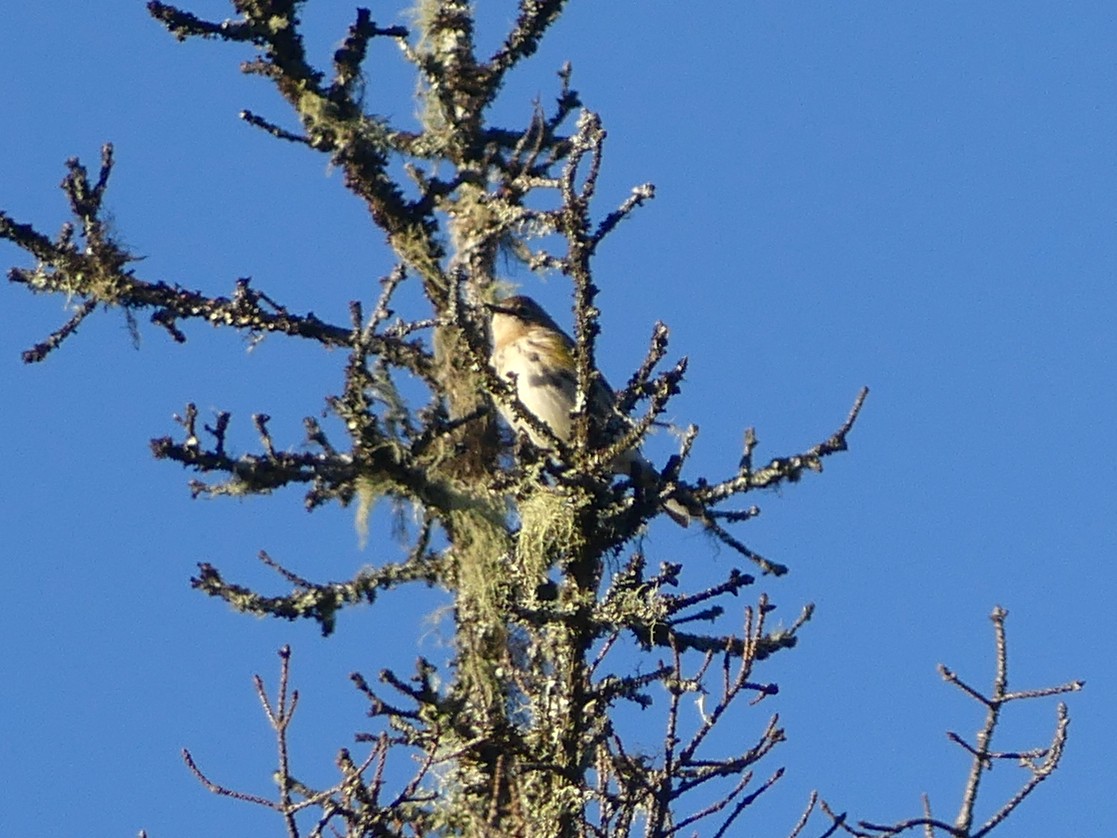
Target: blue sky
918 197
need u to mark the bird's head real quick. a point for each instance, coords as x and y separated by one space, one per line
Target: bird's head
515 315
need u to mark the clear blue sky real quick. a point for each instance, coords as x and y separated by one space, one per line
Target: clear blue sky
920 197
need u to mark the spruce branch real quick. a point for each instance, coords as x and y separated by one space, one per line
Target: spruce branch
320 602
534 18
93 269
354 799
781 469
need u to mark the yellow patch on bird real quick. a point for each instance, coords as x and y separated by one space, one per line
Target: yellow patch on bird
555 348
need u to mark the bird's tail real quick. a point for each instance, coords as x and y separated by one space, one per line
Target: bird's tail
677 512
676 507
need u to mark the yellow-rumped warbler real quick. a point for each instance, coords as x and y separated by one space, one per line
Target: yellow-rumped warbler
530 350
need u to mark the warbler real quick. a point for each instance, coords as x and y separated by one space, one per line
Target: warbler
530 350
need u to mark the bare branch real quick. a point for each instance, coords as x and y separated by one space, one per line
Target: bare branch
318 602
784 468
1040 762
533 21
40 350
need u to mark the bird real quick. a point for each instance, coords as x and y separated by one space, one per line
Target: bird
530 351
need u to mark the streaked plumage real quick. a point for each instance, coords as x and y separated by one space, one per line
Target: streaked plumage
530 349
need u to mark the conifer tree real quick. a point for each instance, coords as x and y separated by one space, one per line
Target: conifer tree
538 545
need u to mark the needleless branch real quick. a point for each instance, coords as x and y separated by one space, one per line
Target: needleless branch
1039 762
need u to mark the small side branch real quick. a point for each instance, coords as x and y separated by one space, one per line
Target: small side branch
681 768
40 350
1040 765
354 799
1039 762
781 469
94 267
534 19
320 602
